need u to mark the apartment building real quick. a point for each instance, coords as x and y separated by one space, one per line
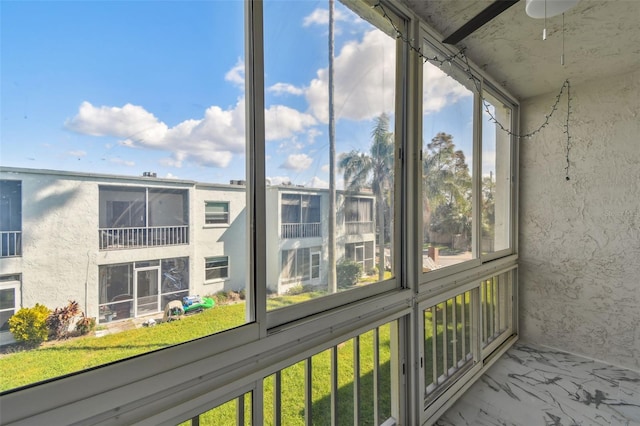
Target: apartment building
123 247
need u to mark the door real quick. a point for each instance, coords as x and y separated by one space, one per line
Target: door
147 294
315 266
360 256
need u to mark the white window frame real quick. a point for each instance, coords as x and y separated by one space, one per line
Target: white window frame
10 284
433 282
227 214
213 259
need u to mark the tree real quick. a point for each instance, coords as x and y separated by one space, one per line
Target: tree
447 188
374 170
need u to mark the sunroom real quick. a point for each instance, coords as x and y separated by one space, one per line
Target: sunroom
505 172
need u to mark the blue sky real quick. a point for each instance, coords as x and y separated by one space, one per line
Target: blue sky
126 87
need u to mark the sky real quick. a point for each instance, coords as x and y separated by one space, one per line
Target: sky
126 87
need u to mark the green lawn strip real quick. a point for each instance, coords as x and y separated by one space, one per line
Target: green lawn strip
27 367
22 368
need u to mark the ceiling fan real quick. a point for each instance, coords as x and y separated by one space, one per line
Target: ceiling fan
534 8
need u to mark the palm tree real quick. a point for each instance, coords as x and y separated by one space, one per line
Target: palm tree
373 170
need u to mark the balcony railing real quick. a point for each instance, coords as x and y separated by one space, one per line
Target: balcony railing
155 236
358 228
10 243
301 230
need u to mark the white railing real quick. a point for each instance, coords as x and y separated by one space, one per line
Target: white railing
359 228
155 236
349 383
10 243
301 230
448 342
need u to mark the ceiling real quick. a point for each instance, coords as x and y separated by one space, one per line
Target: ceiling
602 39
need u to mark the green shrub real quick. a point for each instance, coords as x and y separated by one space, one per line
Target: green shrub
348 272
86 325
29 325
296 289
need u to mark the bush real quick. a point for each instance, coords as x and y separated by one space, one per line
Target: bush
348 272
29 325
85 325
60 319
296 289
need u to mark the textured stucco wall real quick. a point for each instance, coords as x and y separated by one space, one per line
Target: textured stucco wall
580 239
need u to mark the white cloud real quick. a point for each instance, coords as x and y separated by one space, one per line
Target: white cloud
209 141
440 90
325 168
297 162
282 88
316 182
283 122
236 74
312 134
321 17
78 153
130 121
364 79
279 180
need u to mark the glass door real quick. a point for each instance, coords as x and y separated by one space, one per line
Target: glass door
147 297
315 266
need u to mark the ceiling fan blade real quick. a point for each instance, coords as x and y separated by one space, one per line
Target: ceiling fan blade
493 10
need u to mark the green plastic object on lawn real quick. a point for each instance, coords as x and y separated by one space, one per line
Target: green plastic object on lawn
194 304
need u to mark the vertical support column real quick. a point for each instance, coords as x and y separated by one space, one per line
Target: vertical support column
277 399
334 386
308 394
356 381
240 410
376 375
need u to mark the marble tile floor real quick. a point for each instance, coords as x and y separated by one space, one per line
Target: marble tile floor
532 385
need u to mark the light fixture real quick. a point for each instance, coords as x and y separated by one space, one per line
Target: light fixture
548 8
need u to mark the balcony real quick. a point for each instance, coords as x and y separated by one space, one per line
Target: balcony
359 228
301 230
10 243
141 237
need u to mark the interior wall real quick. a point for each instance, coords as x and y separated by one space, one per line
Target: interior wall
580 239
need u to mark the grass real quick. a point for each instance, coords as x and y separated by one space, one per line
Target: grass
293 388
49 361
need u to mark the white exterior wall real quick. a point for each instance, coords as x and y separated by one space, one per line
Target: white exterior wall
274 222
209 240
580 239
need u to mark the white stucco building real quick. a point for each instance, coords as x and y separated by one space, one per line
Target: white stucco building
123 247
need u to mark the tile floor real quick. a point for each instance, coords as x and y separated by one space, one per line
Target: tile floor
533 385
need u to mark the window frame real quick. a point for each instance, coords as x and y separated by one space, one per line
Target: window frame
226 213
227 266
431 281
128 389
275 319
10 282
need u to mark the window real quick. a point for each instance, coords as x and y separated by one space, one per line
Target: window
131 290
142 217
496 176
359 215
361 253
447 169
10 218
304 124
9 300
296 265
216 268
216 212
